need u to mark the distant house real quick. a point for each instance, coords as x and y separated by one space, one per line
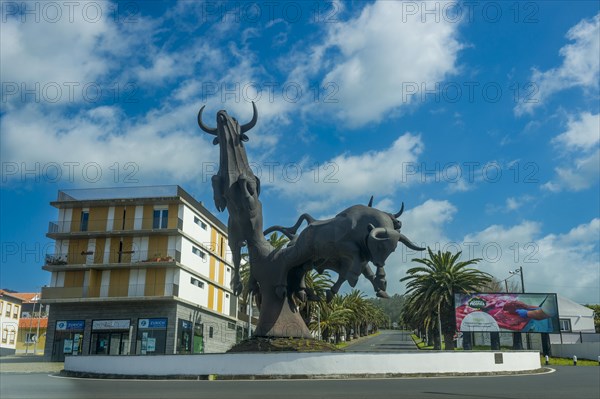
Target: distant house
33 324
575 317
577 336
10 311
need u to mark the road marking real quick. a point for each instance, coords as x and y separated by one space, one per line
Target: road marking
549 371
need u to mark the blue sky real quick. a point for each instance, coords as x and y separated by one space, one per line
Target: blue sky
483 117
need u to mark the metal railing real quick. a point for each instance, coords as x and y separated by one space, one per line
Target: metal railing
114 224
111 291
131 256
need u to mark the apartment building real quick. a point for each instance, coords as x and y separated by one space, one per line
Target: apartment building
10 312
138 270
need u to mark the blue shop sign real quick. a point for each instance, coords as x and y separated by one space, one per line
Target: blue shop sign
153 323
186 324
65 325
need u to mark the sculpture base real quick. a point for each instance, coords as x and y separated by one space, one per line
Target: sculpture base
266 344
305 365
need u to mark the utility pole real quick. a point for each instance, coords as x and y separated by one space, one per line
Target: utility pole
250 314
30 327
522 281
319 319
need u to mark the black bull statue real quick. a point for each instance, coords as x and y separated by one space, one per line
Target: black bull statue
344 244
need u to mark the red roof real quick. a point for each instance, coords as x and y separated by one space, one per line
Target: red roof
33 322
27 297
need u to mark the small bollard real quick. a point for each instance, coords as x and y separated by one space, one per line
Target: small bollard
574 360
547 360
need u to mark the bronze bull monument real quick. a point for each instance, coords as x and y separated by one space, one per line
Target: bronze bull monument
344 244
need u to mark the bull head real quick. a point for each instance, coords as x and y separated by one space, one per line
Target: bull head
381 242
224 121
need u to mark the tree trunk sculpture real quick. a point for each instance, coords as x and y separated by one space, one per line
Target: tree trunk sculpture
344 244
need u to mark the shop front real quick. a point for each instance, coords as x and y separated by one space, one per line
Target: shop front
111 337
151 336
68 339
190 337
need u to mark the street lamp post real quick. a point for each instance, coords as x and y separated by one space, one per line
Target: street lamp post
519 271
517 343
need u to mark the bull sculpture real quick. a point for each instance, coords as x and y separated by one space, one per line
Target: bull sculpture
346 244
235 186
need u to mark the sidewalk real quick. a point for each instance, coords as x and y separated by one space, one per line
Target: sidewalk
28 364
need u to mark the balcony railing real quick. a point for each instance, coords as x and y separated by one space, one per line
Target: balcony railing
114 224
91 257
111 291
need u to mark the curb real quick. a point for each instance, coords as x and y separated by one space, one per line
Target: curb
215 377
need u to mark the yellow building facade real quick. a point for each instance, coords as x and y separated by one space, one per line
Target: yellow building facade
141 270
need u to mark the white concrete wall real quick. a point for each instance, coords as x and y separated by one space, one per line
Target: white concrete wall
306 363
192 260
193 229
586 350
190 292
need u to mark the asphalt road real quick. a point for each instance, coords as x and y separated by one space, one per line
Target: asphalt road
386 341
566 382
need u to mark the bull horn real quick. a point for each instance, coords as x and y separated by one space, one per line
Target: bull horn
397 215
209 130
371 202
377 230
251 124
409 243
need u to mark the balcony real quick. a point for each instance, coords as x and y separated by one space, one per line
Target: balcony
55 294
114 226
120 257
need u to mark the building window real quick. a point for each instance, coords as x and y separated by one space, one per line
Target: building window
565 325
4 335
16 312
11 337
159 220
196 282
200 223
199 252
85 216
226 295
1 305
231 326
8 309
210 332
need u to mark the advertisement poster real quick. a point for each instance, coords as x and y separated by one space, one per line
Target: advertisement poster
68 346
151 345
507 312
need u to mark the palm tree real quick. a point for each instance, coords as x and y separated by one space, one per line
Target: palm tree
333 317
431 289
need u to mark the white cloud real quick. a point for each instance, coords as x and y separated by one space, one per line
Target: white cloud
580 66
563 263
56 55
578 146
160 146
348 176
373 58
582 133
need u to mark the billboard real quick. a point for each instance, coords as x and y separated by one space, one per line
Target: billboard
507 312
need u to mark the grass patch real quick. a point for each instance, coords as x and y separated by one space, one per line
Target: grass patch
260 344
419 342
565 361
